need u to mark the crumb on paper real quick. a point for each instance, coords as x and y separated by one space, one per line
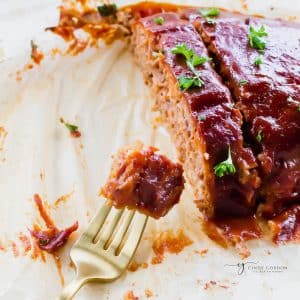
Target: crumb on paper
25 242
2 246
168 241
244 5
209 284
3 135
148 293
14 249
130 296
202 252
63 199
36 54
134 266
55 51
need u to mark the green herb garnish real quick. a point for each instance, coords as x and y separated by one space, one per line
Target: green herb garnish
256 37
243 82
192 60
106 10
259 136
210 15
225 167
212 12
201 118
188 82
298 109
71 127
258 60
159 20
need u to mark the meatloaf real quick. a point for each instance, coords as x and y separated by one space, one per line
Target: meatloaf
228 89
263 55
202 120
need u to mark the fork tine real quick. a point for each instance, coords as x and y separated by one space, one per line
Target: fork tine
96 224
134 236
108 229
117 239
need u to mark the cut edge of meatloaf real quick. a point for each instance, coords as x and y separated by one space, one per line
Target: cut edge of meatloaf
232 194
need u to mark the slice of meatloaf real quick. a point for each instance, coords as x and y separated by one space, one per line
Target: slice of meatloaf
202 120
266 86
144 180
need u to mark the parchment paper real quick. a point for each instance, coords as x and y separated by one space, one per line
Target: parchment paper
103 92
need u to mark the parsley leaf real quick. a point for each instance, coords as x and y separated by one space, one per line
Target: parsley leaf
201 117
225 167
183 50
188 82
192 60
256 37
258 60
210 15
71 127
212 12
159 20
243 82
298 109
259 136
199 60
106 10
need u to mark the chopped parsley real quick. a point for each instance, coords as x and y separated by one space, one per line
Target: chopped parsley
210 15
258 61
188 82
256 38
225 167
159 20
201 117
73 129
192 60
243 82
212 12
298 109
259 136
106 10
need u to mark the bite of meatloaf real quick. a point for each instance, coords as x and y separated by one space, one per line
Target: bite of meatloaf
144 180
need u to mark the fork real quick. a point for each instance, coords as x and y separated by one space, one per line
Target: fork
104 250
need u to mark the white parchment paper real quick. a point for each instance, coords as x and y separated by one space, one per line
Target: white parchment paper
103 92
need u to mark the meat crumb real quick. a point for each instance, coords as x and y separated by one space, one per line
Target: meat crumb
52 238
148 293
130 296
168 241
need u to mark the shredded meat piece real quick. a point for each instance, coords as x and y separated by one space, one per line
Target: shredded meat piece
53 238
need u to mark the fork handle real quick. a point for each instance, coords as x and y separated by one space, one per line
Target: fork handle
72 288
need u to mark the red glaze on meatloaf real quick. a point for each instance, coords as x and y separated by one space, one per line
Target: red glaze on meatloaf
268 95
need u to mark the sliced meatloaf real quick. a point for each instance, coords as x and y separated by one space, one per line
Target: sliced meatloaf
198 111
260 61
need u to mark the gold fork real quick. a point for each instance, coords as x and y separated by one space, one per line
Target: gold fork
105 249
